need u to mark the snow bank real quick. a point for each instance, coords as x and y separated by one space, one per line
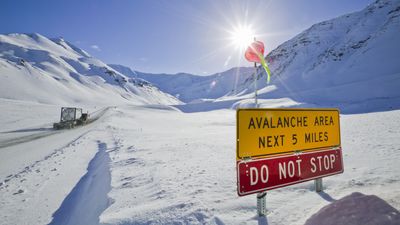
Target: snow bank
356 209
88 199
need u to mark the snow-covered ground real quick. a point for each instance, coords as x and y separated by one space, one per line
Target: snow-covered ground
144 162
158 165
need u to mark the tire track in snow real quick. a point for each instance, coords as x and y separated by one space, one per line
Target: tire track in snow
30 167
36 191
45 132
30 195
88 199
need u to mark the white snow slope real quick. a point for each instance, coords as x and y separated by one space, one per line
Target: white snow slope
35 68
147 165
350 62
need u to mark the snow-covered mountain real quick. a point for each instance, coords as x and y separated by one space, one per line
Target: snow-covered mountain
189 87
35 68
350 62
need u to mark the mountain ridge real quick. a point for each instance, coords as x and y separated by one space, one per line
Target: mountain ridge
39 69
189 87
349 62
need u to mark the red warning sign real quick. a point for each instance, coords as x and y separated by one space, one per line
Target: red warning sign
275 172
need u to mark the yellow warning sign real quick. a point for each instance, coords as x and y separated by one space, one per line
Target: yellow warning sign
262 132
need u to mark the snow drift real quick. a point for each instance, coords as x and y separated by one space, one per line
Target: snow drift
356 209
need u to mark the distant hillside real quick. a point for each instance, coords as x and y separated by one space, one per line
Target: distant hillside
35 68
350 62
188 87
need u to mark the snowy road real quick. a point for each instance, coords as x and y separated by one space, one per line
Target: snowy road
14 137
144 165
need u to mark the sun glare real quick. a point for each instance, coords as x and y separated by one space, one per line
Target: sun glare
242 36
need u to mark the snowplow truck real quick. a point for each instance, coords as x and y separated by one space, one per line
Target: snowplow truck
71 117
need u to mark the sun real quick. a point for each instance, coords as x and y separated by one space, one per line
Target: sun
242 36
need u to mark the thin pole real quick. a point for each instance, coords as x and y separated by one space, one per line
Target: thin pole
261 203
255 81
318 185
262 196
255 85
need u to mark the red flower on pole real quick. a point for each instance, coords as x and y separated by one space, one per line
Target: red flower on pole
254 52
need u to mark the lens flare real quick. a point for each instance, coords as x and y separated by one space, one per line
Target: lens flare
242 36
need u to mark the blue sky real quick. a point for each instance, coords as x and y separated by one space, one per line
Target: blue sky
168 36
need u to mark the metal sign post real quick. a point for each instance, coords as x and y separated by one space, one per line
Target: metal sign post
262 196
269 143
261 203
255 85
255 82
318 184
